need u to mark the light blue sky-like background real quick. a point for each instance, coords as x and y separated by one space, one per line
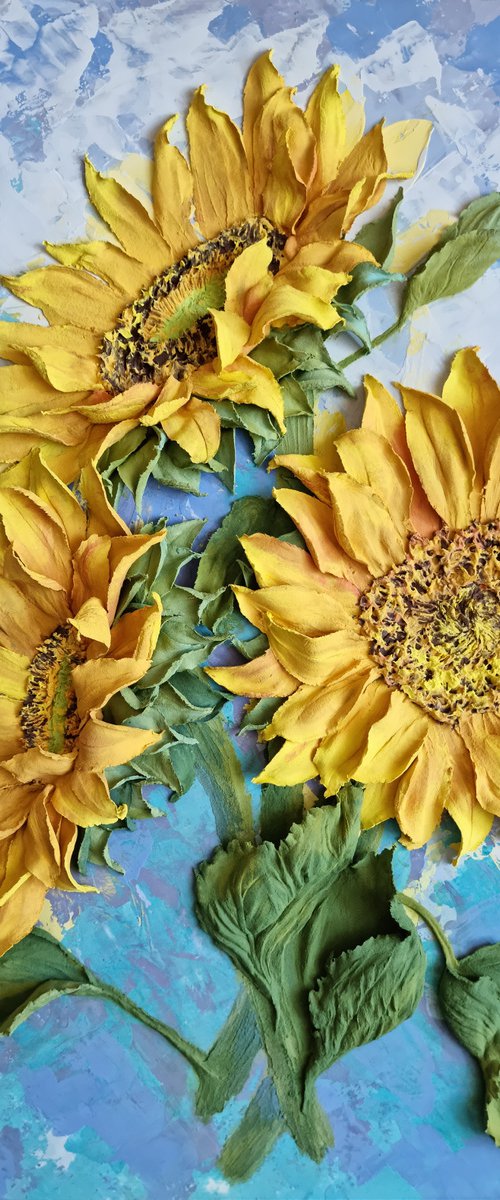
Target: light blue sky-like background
91 1103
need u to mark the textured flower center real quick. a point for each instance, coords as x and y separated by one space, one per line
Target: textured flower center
434 622
49 717
169 330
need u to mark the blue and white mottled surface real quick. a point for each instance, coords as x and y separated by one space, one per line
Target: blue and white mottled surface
91 1103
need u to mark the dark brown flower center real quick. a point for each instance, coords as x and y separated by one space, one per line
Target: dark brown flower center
48 716
434 622
169 330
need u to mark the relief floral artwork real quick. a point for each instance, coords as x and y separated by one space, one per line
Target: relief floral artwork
290 679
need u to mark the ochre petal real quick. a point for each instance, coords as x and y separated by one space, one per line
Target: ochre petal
58 291
249 280
369 459
15 803
490 507
309 469
37 537
23 622
34 765
247 382
278 562
195 427
383 417
472 393
11 740
340 753
123 552
312 711
92 622
233 335
42 855
404 143
127 219
462 803
314 659
136 633
102 745
263 676
354 118
106 261
393 741
284 195
85 799
222 193
262 82
64 370
284 159
298 607
101 516
101 410
96 682
481 734
325 115
23 391
363 526
17 336
442 455
301 293
315 522
13 674
172 195
294 763
423 790
38 478
20 912
378 803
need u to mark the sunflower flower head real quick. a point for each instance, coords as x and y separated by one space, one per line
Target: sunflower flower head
63 654
384 631
155 328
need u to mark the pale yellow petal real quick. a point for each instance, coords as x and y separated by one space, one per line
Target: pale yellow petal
404 144
490 506
383 416
378 803
311 712
92 622
462 803
309 468
64 370
233 335
249 280
301 294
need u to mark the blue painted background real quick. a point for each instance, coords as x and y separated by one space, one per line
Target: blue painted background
91 1103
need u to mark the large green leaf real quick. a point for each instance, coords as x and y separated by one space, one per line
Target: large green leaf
464 252
469 995
313 931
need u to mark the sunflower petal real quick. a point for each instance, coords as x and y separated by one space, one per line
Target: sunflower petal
301 293
262 82
378 803
369 459
17 336
310 713
92 622
95 683
462 803
275 562
101 516
21 912
315 522
298 607
42 855
57 291
340 753
106 261
471 392
37 537
325 116
40 480
136 633
442 455
393 741
128 405
123 552
127 219
293 764
172 195
423 790
363 526
15 803
13 674
309 468
39 766
314 659
247 382
263 676
490 506
102 745
85 799
481 734
233 335
221 182
196 427
249 280
64 370
383 417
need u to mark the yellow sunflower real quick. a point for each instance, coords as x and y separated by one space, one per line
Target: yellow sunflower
248 236
384 633
62 656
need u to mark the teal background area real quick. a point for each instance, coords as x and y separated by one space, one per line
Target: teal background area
93 1105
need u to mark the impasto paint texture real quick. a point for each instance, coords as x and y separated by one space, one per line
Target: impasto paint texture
91 1103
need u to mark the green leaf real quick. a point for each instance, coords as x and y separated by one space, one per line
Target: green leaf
469 996
287 916
260 1127
219 770
230 1059
365 277
136 470
464 252
378 236
355 324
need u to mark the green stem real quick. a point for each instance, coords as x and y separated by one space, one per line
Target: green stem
193 1055
434 925
346 362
